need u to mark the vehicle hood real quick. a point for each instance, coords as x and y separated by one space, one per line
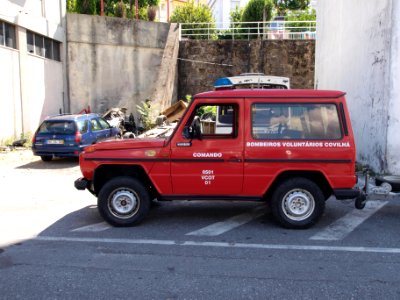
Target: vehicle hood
130 144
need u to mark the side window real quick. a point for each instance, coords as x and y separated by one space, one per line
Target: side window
104 124
95 125
83 126
217 121
295 121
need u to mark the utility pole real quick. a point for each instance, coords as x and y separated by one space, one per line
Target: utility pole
137 10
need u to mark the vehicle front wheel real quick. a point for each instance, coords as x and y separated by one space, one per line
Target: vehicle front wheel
297 203
123 201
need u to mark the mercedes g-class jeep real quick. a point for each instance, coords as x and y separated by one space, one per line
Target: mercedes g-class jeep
292 149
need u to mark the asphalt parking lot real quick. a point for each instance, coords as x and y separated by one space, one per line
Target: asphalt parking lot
53 244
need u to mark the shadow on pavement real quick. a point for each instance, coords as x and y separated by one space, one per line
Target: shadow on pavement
56 163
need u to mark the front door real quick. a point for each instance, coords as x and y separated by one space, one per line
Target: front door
211 164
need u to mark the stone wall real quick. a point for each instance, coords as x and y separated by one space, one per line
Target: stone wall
202 62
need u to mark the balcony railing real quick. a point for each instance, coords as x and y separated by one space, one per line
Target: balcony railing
271 30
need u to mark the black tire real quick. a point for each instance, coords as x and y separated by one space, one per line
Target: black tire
360 202
394 181
123 201
306 199
46 157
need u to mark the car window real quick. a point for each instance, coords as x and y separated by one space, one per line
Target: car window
95 125
104 124
218 120
57 127
82 126
295 121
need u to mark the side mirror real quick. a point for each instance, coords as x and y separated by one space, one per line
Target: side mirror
194 130
187 132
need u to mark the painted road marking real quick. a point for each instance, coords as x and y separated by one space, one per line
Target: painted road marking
342 227
220 244
229 224
94 227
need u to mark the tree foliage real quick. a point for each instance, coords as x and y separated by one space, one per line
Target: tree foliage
113 8
282 6
87 7
193 13
236 15
254 11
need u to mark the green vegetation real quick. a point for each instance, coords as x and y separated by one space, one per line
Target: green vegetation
9 141
115 8
193 13
283 6
258 11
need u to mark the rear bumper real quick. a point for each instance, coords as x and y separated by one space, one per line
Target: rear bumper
58 152
343 194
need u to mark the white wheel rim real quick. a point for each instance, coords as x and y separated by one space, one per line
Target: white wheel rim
298 204
123 203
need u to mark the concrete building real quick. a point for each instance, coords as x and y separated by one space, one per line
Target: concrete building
32 81
358 51
222 9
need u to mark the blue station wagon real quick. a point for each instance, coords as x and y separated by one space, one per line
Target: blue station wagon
68 135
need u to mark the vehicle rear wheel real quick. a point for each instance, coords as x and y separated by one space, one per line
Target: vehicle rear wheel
46 157
394 182
123 201
297 203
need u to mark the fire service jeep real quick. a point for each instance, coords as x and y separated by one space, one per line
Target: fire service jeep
292 149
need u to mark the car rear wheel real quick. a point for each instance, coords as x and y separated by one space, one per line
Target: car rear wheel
46 157
123 201
297 203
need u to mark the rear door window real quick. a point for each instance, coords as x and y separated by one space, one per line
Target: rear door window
95 125
295 121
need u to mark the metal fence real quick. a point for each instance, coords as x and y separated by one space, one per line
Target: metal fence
271 30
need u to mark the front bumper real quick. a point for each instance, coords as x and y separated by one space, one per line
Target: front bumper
82 184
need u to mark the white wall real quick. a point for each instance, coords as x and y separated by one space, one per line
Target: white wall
10 97
31 87
393 135
354 53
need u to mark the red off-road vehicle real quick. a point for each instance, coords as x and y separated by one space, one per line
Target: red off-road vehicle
292 149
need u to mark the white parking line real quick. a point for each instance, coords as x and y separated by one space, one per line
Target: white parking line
219 244
94 227
342 227
229 224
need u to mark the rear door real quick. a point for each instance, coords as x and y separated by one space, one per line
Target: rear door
100 129
212 165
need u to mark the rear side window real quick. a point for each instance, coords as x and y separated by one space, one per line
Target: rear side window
83 126
295 121
57 127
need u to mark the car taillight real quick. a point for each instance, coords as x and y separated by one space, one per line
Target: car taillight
77 137
34 139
